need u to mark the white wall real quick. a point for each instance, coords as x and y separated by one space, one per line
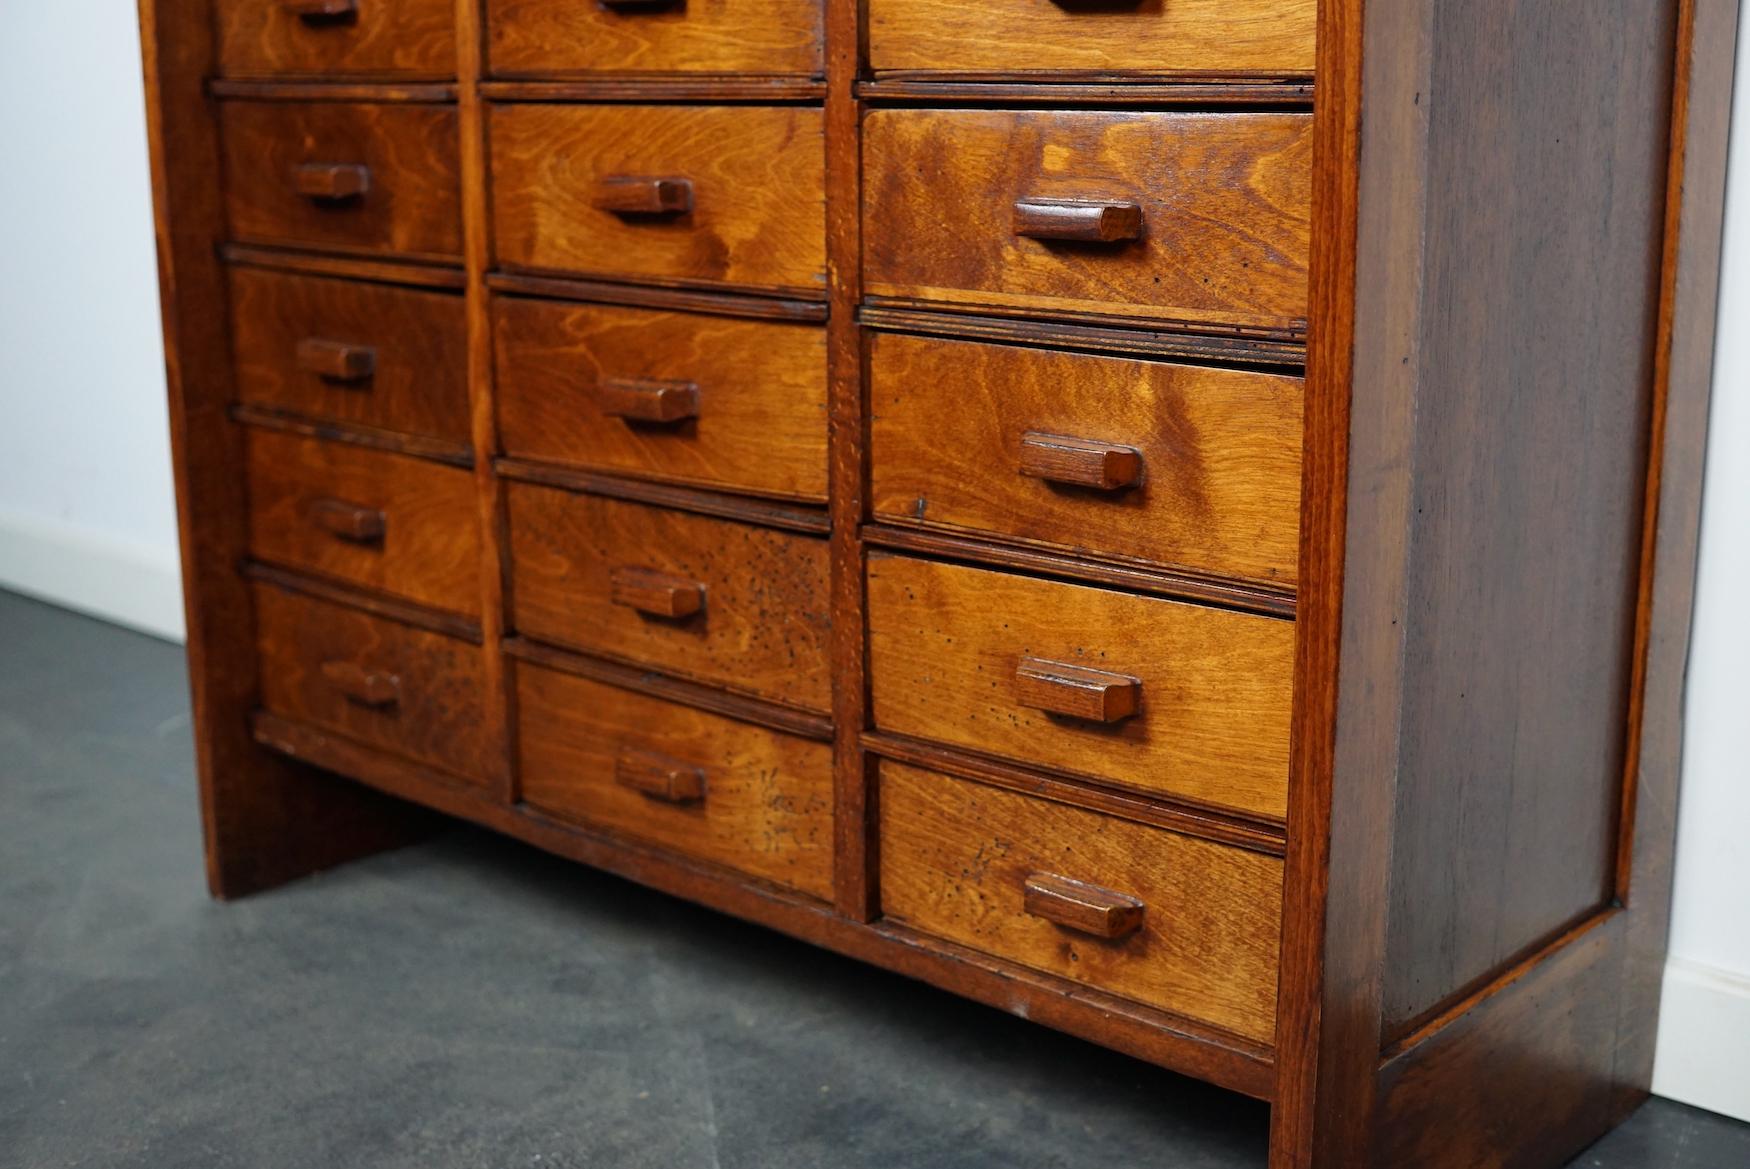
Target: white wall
87 519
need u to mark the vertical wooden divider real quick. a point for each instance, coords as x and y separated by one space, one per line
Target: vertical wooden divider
854 807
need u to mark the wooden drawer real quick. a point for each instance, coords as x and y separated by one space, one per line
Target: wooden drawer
374 355
582 188
1267 37
738 606
701 36
712 401
1177 465
397 38
1176 922
696 783
365 177
396 524
1161 696
406 690
1007 208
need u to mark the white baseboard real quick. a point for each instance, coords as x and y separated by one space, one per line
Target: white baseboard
129 583
1704 1039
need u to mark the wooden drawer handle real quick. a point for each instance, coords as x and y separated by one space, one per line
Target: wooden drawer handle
659 777
372 688
1080 462
1082 907
638 5
644 195
336 361
322 11
350 522
333 180
1076 219
656 593
1076 691
648 401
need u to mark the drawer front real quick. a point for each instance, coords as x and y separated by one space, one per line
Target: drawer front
395 524
719 790
1179 923
709 401
1199 219
704 194
1197 36
1176 465
402 38
730 604
701 36
346 351
405 690
1159 696
373 178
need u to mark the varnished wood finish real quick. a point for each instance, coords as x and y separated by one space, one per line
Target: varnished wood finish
569 374
762 624
411 209
945 643
957 859
696 783
1218 486
560 37
401 38
757 217
1223 199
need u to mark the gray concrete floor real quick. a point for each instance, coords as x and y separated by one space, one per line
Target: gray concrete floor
472 1003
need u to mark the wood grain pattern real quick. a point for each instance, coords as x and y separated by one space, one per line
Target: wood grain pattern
760 394
561 38
417 340
762 629
945 641
758 217
764 808
1154 36
956 858
406 690
429 549
378 38
1225 202
412 208
1220 453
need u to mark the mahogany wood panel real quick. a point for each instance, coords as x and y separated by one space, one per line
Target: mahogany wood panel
562 37
378 38
957 860
416 693
1267 37
1225 202
412 204
953 425
393 523
763 802
571 376
758 208
945 643
347 351
763 622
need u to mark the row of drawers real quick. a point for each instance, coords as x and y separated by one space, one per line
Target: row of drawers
1197 218
263 38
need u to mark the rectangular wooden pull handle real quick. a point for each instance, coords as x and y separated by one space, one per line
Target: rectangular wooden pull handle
659 777
322 11
349 521
1076 691
333 180
336 361
644 195
1080 462
638 5
656 593
1082 907
648 401
1088 221
374 688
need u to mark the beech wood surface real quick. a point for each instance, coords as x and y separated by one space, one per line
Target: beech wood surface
331 38
564 38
